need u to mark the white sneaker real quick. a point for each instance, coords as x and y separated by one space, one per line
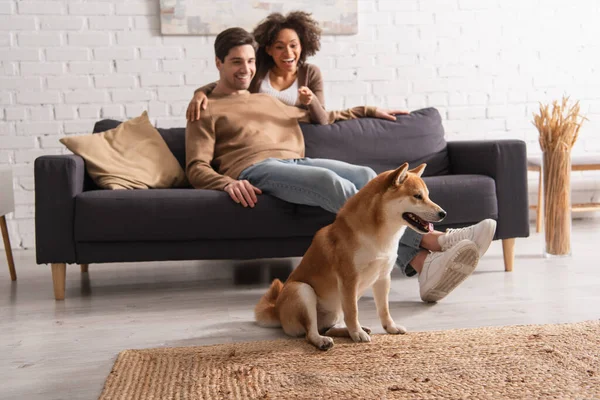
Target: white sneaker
443 271
481 234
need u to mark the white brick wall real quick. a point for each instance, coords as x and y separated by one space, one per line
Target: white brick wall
485 64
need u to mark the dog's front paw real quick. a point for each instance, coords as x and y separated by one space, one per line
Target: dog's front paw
394 329
360 336
323 343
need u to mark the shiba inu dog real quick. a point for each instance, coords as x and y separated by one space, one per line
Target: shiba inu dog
357 251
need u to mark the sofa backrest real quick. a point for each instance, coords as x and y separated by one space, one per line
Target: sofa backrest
382 144
379 144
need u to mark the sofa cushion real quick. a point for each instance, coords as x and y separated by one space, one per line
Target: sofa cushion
130 156
382 144
195 214
185 214
452 193
174 137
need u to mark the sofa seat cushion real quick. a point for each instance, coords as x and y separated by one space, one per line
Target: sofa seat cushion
467 199
194 214
184 214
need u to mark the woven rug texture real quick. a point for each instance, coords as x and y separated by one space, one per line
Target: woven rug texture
516 362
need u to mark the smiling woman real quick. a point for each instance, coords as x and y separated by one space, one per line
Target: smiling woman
281 69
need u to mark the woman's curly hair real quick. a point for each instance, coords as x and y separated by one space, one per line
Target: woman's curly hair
266 33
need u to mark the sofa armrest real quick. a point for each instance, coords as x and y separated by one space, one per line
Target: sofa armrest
506 162
58 179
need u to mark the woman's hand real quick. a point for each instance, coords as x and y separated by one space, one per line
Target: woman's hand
389 114
199 101
305 95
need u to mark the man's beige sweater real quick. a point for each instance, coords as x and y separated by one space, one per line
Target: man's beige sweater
239 130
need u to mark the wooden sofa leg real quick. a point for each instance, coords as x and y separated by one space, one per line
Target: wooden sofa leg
508 248
59 272
8 249
84 267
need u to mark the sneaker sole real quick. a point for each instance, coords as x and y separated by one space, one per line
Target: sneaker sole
459 268
491 231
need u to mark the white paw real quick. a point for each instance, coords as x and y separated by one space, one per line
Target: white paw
360 336
394 329
323 343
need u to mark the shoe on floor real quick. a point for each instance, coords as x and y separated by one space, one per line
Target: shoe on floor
481 234
443 271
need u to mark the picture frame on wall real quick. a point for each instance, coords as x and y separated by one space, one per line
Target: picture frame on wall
200 17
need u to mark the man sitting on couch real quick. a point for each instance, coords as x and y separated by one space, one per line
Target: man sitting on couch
247 144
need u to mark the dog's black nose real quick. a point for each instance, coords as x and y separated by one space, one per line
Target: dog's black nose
442 214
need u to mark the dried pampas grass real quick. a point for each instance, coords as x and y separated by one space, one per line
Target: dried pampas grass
559 128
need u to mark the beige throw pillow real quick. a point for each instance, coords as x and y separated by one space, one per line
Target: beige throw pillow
131 156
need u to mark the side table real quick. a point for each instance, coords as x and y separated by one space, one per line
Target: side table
584 162
7 204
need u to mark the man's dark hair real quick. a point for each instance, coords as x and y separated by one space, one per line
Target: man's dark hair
230 38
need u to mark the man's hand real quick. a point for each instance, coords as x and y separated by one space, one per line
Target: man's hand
389 114
243 192
199 101
305 95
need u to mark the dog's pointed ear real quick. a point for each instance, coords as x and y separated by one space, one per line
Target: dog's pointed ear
419 170
400 174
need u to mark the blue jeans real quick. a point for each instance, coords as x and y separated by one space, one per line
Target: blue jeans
323 183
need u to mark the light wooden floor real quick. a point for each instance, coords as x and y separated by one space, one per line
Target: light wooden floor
64 350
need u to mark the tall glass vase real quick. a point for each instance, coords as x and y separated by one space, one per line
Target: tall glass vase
556 170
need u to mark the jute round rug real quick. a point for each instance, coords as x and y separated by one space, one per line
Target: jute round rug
520 362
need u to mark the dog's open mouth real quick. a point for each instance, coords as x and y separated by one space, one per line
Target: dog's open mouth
417 222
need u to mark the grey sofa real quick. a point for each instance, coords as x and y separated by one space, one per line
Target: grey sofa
78 223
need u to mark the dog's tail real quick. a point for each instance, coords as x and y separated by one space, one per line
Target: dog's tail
264 312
